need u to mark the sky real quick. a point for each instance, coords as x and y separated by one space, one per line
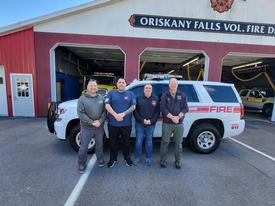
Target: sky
14 11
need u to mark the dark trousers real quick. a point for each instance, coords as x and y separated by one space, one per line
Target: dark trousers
85 137
114 134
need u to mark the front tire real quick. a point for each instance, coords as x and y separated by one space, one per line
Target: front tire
267 110
74 140
204 138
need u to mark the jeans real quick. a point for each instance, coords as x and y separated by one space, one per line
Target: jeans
140 131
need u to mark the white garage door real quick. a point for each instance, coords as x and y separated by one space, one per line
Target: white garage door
3 93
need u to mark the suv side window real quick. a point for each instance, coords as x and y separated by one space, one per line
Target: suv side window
157 90
190 92
221 93
187 89
255 94
137 91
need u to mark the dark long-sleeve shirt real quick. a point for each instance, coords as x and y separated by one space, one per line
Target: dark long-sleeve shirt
147 108
89 109
173 105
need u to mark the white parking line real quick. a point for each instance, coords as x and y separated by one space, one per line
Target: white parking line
253 149
260 120
81 182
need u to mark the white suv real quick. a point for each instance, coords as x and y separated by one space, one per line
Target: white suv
215 112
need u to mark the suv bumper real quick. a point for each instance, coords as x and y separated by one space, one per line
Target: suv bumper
59 130
234 128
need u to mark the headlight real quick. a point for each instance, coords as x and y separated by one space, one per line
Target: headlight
61 110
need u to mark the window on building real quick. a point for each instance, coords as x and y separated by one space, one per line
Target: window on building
22 88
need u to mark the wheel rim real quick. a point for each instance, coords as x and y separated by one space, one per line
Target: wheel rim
77 140
206 140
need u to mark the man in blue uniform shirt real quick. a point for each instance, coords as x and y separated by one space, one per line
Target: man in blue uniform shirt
120 104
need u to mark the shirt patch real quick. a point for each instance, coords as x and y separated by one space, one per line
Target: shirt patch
126 97
154 102
179 97
107 100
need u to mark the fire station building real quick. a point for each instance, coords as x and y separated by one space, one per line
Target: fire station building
48 58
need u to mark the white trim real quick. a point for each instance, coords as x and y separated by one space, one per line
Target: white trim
12 100
5 85
206 65
55 15
53 63
240 54
272 119
53 73
253 149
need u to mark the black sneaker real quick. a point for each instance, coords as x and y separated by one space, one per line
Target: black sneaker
177 165
111 163
163 163
128 162
81 169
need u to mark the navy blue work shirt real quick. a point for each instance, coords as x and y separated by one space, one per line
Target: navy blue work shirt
120 102
147 108
173 105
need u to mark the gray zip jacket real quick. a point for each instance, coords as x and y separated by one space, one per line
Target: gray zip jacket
89 109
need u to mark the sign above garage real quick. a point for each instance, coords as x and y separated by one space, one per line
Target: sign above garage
201 25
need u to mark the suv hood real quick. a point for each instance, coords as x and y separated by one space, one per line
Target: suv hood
70 103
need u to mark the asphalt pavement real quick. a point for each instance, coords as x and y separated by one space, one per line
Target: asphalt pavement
38 169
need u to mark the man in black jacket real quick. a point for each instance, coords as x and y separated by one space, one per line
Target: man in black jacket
146 115
173 107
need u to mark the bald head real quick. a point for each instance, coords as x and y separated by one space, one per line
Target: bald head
173 85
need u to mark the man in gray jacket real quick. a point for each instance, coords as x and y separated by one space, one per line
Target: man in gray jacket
91 112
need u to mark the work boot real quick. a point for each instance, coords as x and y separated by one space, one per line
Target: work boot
163 163
81 168
177 164
128 162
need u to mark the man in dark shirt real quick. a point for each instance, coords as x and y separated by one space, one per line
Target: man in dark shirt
146 115
120 104
173 107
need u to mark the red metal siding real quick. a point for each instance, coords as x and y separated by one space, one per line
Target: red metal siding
17 56
132 47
